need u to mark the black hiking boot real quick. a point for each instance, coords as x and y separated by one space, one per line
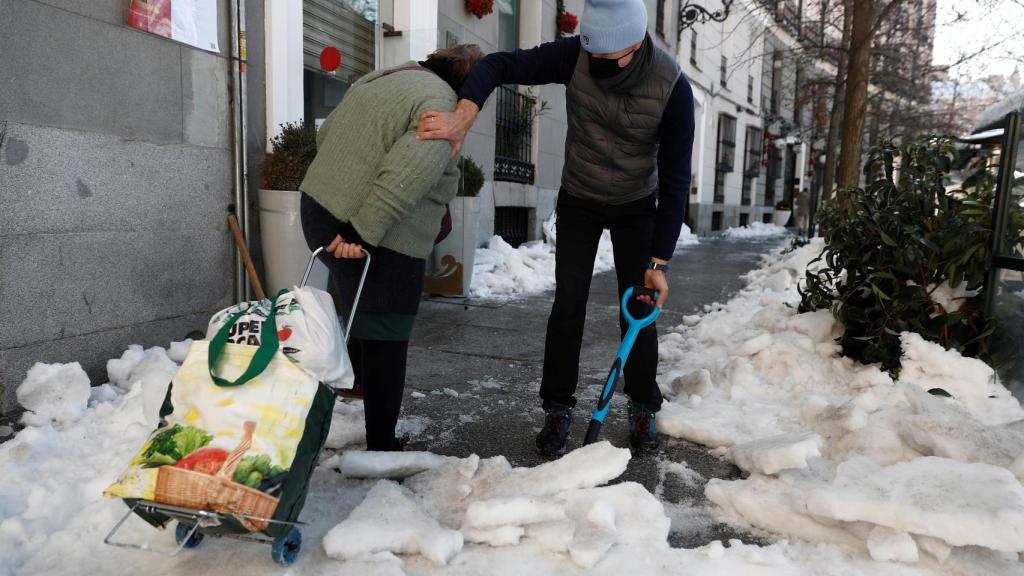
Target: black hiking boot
643 434
553 436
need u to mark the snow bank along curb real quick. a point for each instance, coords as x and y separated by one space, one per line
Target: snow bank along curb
837 451
501 271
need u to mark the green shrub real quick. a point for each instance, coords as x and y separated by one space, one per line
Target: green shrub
471 178
292 151
897 239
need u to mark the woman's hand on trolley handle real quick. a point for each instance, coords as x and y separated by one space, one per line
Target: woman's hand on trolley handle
342 249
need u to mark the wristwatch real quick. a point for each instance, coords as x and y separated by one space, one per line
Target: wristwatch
652 265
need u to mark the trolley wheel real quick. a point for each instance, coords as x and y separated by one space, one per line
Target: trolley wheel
181 533
286 547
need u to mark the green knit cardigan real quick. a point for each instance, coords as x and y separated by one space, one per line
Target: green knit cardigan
371 171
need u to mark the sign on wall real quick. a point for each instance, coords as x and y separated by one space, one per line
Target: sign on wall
192 22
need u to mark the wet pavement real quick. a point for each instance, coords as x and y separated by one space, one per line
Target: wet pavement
478 366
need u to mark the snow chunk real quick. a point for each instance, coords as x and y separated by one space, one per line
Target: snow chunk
388 519
58 392
418 395
348 425
119 370
584 467
497 512
179 350
928 365
962 504
886 544
552 536
754 345
1018 467
394 465
152 368
937 548
949 298
501 536
781 452
697 382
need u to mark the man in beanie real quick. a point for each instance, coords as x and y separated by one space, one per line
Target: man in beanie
627 169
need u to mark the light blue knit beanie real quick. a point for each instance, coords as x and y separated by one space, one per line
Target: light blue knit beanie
608 26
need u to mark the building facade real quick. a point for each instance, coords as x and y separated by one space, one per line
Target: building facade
116 175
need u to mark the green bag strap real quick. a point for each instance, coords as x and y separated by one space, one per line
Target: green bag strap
260 360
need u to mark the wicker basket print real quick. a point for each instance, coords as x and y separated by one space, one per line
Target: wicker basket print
218 492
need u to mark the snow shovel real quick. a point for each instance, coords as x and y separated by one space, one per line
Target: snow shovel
634 327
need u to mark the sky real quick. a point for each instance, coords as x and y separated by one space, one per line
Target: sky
984 23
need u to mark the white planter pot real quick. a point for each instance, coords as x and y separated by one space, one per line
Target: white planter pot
285 253
780 217
452 260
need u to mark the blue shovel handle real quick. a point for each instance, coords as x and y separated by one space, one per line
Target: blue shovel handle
635 325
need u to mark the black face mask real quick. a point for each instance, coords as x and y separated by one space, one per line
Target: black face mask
604 68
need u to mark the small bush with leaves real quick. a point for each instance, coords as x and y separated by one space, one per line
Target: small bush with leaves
471 179
897 241
292 151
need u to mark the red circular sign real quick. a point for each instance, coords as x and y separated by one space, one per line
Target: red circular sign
330 59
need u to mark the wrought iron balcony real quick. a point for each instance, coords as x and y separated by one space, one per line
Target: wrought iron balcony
513 145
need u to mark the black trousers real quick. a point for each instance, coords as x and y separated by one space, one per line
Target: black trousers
579 227
379 364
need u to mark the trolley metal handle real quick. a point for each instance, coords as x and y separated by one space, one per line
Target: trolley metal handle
359 289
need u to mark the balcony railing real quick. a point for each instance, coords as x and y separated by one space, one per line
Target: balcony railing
513 145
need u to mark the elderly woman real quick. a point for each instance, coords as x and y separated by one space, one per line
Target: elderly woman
375 186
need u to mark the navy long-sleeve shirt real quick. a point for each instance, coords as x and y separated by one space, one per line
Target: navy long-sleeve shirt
555 63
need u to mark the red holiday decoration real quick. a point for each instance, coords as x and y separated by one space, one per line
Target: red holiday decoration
480 8
330 59
567 22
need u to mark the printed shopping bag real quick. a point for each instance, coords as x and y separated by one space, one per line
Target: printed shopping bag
242 428
307 328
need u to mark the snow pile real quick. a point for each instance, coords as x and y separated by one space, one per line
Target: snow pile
501 271
838 452
54 473
58 392
152 369
686 237
556 506
756 230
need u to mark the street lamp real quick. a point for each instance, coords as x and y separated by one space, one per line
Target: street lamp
690 13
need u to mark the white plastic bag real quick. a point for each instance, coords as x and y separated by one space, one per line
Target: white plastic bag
307 328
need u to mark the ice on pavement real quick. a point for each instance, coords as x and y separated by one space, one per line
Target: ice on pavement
58 392
769 455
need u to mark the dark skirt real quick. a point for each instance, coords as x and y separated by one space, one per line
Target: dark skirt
394 285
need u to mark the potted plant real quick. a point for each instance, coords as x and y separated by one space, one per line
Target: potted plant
284 247
453 258
479 8
782 213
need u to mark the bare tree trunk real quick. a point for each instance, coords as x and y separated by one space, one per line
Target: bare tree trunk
837 103
855 107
